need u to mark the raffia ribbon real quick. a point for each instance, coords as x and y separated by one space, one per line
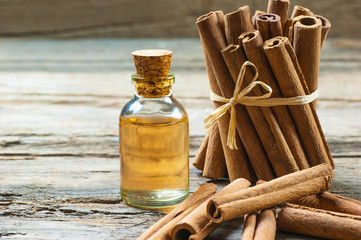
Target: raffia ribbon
239 97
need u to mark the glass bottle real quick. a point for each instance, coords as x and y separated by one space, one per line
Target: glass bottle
153 136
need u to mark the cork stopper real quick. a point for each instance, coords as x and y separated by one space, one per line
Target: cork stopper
152 78
152 62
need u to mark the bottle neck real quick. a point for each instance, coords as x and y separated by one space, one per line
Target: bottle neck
155 87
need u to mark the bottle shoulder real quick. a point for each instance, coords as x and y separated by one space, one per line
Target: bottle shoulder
165 109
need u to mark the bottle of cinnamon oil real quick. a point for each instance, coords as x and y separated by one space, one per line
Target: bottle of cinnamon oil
153 136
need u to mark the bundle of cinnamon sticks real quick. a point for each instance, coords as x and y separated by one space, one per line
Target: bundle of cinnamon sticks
271 141
206 209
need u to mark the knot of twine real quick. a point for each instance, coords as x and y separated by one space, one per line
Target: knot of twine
239 97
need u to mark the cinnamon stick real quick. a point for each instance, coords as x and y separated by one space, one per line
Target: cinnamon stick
233 26
200 157
269 25
266 125
249 226
292 83
253 46
266 225
287 188
279 7
214 165
319 223
245 19
326 26
204 232
202 193
211 37
198 220
286 29
299 10
306 40
331 202
236 161
256 13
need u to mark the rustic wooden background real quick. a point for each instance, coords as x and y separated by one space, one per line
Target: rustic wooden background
59 107
142 18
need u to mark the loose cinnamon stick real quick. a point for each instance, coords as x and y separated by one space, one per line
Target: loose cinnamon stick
269 25
299 10
306 40
266 225
212 43
268 130
319 223
287 188
164 232
197 220
245 19
249 226
291 81
200 157
202 193
253 46
326 26
214 165
233 26
331 202
204 232
279 7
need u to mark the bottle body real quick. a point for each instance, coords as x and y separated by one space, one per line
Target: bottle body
154 143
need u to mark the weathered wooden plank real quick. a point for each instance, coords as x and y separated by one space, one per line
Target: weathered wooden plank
127 18
82 201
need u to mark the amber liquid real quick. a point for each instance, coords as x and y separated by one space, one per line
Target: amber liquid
154 161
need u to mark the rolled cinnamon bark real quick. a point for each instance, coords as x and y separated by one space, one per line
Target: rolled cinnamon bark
256 13
275 145
245 19
253 46
292 83
286 29
204 232
279 7
307 40
201 194
326 26
198 220
319 223
200 157
299 10
249 226
211 37
236 161
214 165
233 26
266 225
287 188
269 25
331 202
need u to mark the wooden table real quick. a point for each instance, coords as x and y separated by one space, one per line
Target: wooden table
59 107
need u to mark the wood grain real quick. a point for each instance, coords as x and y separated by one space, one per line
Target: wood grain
127 18
59 107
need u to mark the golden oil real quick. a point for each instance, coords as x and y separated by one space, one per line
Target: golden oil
154 160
